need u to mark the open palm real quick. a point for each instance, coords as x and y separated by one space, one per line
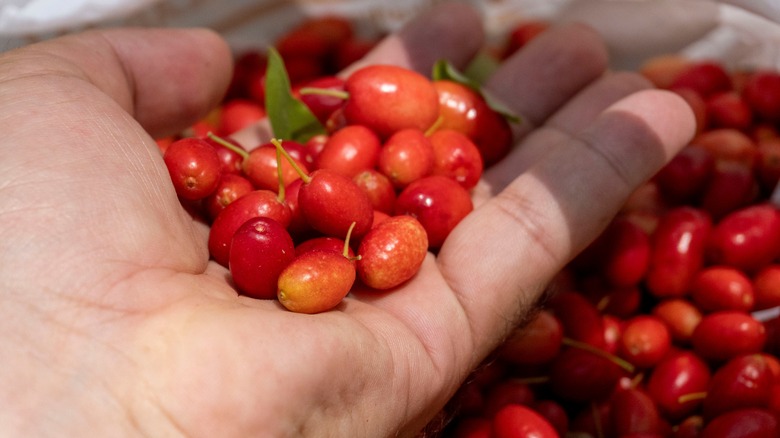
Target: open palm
114 322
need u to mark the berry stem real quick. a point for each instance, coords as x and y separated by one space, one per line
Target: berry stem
244 154
345 251
436 124
281 192
279 149
597 351
324 92
691 397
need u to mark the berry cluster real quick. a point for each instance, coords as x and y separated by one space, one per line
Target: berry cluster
667 326
366 175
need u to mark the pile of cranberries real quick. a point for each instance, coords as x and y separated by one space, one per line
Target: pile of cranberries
666 326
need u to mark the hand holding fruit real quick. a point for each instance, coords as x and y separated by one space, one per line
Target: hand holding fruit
115 319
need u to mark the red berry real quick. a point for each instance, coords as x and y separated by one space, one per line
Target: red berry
232 161
625 253
194 168
728 144
766 287
522 33
732 185
676 382
768 163
387 98
258 203
320 104
762 93
406 157
392 252
516 421
349 151
506 392
728 109
633 412
684 178
378 188
230 188
260 249
438 202
457 157
678 245
323 243
747 239
742 382
722 288
262 168
316 281
645 341
555 414
237 114
726 334
579 375
464 110
680 315
331 202
706 77
536 342
743 423
580 318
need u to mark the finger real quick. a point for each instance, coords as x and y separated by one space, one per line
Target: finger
546 73
580 111
165 78
451 31
550 212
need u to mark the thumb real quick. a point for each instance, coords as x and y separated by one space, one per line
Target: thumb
165 78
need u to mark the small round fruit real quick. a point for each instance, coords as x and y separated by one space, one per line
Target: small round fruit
230 188
257 203
194 167
388 98
722 288
537 342
748 238
378 188
406 157
349 151
438 202
262 168
392 252
645 341
457 157
315 281
261 248
673 379
517 421
726 334
331 202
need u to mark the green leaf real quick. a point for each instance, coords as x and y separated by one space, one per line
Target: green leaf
290 118
482 66
443 70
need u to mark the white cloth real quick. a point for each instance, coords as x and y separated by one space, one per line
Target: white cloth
741 32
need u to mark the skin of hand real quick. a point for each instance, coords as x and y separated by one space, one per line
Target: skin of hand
115 323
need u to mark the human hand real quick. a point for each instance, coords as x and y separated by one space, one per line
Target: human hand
114 322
